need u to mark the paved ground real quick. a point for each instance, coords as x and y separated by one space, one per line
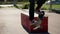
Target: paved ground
10 22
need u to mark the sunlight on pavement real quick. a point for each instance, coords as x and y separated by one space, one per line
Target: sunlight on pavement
10 21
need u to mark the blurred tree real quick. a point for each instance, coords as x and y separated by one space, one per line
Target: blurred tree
22 0
5 1
1 0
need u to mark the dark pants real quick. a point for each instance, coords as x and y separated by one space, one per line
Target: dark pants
32 5
31 10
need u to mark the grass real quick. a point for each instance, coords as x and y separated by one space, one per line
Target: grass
0 7
56 6
22 2
6 2
53 6
45 6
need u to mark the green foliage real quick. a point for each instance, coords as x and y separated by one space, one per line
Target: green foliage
22 0
6 3
0 7
22 3
56 6
26 6
56 11
45 7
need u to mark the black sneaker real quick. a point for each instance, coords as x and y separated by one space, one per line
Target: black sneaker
41 15
35 24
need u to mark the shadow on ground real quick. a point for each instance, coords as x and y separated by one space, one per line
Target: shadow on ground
34 32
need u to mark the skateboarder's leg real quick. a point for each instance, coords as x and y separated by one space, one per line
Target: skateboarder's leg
40 3
41 14
31 10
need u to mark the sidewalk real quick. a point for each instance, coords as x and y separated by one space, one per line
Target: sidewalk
6 5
